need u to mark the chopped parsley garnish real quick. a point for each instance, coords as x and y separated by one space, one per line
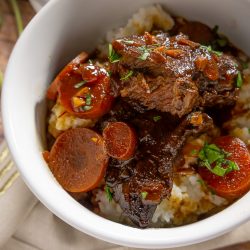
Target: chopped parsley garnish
204 185
79 85
245 65
113 56
210 49
127 76
88 99
145 53
249 130
109 194
194 152
222 42
109 73
239 81
90 62
157 118
86 108
214 159
212 191
144 195
128 41
201 182
215 29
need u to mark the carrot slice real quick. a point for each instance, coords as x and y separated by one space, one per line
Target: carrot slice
120 140
236 183
46 156
78 160
211 70
95 84
52 91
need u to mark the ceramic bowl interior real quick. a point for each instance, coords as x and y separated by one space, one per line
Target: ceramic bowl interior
59 32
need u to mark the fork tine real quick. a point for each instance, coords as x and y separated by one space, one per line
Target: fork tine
9 183
6 168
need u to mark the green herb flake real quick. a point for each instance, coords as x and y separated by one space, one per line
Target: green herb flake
244 65
194 152
204 184
90 61
79 85
88 99
212 191
113 56
157 118
109 194
86 108
144 195
239 81
128 41
145 53
218 53
201 182
222 42
215 29
214 159
127 75
210 49
109 73
249 130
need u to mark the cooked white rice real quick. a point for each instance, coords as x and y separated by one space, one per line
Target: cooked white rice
239 126
152 16
60 121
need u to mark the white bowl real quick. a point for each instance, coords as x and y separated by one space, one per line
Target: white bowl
60 31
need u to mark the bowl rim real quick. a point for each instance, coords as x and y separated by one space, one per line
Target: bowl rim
95 225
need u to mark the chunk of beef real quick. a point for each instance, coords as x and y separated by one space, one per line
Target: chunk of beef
178 98
173 74
196 31
141 183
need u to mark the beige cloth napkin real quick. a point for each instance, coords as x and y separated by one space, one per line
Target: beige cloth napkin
25 224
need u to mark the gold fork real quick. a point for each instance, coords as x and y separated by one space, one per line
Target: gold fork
8 173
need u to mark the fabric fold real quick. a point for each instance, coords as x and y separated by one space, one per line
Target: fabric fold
15 206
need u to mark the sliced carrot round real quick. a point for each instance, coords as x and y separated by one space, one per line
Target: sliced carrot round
52 91
236 183
120 140
78 160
